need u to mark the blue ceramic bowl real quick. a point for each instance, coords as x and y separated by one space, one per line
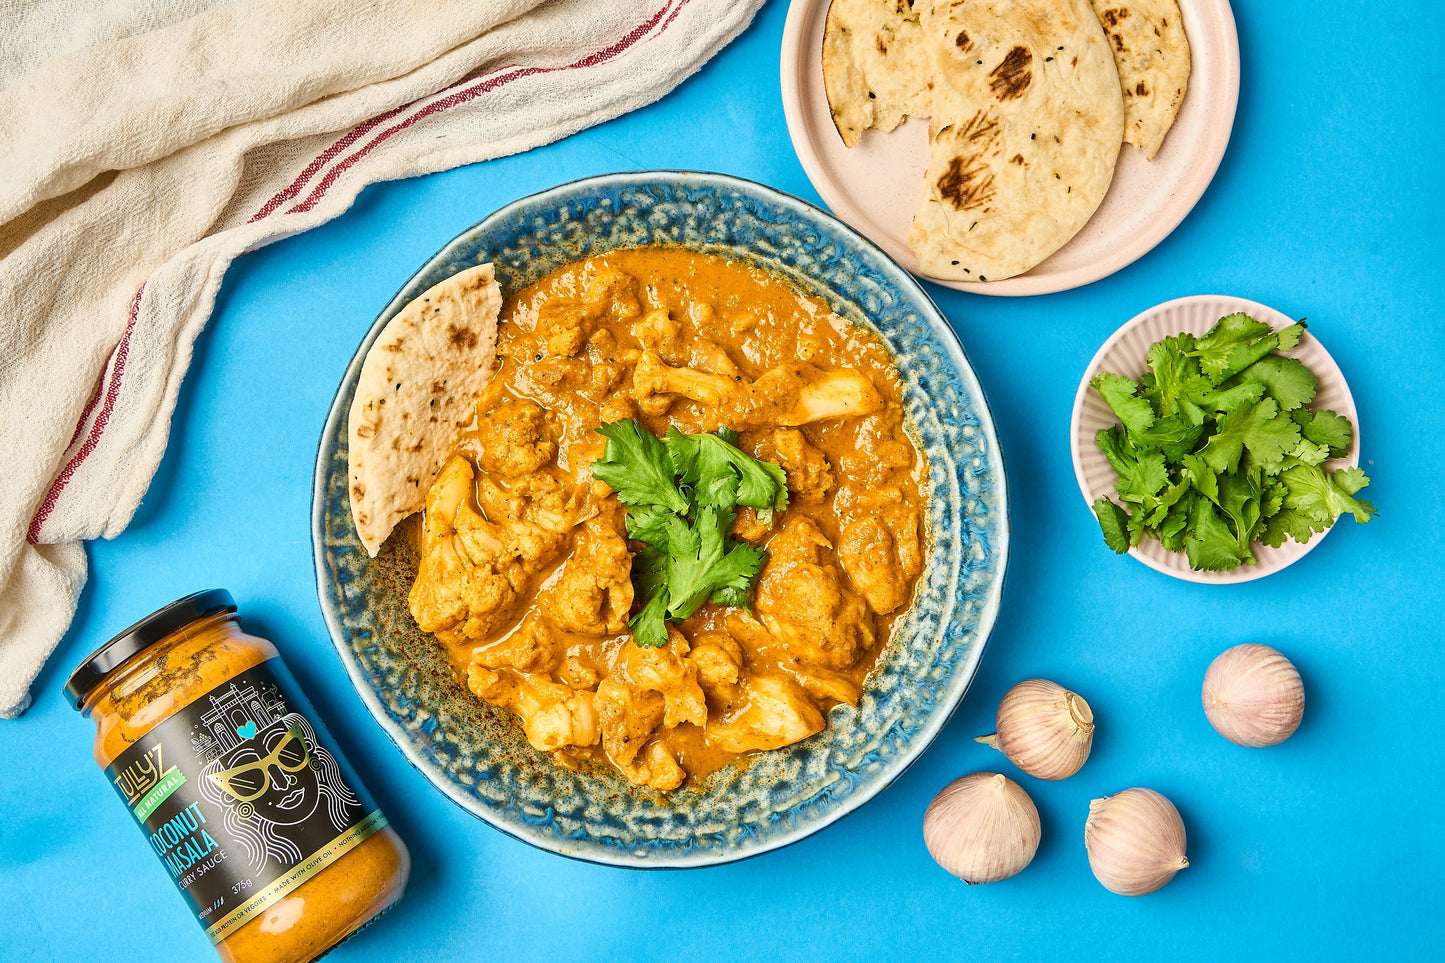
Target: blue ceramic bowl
476 754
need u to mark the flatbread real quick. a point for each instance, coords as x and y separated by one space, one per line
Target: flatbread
1151 53
876 68
1027 125
416 391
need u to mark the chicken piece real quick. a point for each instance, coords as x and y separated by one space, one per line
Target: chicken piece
775 712
719 661
824 686
810 477
804 603
553 716
513 438
593 596
532 647
878 451
799 394
879 563
627 716
468 581
655 385
655 768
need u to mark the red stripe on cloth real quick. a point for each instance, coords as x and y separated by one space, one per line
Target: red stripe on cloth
668 11
321 160
89 407
117 371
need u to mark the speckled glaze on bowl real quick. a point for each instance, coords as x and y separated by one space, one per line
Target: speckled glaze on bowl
476 754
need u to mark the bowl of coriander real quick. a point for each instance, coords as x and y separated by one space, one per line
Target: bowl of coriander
1216 441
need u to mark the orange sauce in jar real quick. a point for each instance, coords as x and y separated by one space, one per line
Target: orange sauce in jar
258 819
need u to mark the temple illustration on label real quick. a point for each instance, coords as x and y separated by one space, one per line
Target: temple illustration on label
232 711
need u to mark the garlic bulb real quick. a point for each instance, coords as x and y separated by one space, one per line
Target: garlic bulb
982 828
1135 841
1044 729
1253 696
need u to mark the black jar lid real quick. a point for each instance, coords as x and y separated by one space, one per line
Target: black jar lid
141 635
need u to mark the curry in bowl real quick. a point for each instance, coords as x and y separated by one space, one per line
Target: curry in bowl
543 585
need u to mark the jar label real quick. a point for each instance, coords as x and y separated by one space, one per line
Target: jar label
244 797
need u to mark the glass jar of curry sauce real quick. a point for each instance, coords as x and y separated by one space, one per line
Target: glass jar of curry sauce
258 819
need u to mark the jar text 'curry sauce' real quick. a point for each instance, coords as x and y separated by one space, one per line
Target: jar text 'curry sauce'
525 571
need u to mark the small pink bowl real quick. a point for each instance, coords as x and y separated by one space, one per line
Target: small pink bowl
1126 353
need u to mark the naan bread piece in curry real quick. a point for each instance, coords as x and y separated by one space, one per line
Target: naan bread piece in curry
415 394
876 68
1027 123
1151 53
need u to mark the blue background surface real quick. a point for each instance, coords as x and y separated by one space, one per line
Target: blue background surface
1328 204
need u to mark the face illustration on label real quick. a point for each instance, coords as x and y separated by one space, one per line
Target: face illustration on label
271 774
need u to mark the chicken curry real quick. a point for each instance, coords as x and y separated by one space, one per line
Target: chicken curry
526 570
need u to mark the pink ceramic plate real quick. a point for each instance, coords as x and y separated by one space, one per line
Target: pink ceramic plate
1126 353
875 186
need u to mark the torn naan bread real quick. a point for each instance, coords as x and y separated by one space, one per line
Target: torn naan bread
1027 125
876 69
415 394
1151 53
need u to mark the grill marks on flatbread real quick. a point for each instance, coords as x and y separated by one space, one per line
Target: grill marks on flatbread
1027 121
875 68
415 395
1024 98
1151 53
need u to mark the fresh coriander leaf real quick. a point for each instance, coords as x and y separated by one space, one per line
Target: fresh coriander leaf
1326 428
1171 436
649 571
1289 524
1175 525
1121 394
1289 337
1139 475
1210 545
1286 380
1225 345
1236 342
1171 368
1157 509
1258 428
1272 498
637 467
1319 495
1307 453
648 524
1114 521
724 475
649 626
1200 476
701 562
1239 499
1223 400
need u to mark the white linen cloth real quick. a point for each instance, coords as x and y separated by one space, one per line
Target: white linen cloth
146 144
